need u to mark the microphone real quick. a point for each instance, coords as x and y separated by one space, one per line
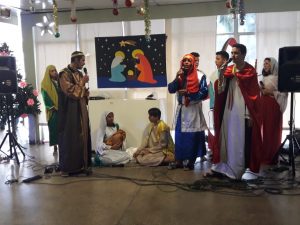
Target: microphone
85 72
229 61
226 64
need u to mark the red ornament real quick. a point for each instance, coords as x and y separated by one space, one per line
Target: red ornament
128 3
73 19
115 11
228 5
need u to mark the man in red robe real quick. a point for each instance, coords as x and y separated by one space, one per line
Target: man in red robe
237 120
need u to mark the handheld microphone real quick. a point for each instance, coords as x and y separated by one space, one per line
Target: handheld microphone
85 72
229 61
226 64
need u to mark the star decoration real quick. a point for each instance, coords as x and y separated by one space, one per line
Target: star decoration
45 26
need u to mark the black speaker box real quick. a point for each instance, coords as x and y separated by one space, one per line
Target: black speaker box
289 69
7 62
8 75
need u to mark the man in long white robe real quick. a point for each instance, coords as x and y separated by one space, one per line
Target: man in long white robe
238 120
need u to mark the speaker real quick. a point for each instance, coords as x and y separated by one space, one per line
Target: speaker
289 69
8 75
7 63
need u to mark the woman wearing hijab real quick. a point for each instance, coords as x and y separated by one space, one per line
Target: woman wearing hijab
110 143
190 121
274 104
49 93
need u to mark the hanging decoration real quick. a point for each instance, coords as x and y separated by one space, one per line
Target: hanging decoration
140 11
115 10
55 19
237 7
147 21
128 3
242 12
73 16
46 26
32 5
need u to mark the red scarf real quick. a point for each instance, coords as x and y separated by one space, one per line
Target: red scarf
192 81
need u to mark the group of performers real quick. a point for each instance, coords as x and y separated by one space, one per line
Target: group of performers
247 119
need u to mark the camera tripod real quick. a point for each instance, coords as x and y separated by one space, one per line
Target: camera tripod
13 143
292 140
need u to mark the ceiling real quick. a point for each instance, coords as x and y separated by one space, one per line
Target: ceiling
65 5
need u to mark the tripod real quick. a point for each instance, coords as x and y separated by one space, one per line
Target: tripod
292 140
13 143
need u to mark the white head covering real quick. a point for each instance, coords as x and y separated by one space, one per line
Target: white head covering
271 80
116 61
101 132
274 66
271 83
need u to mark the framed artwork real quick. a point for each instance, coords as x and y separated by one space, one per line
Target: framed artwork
131 61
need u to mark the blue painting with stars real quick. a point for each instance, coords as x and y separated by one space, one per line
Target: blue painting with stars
131 61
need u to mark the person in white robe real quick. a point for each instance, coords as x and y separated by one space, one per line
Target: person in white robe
110 142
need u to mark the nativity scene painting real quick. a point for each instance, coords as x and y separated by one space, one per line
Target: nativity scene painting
131 61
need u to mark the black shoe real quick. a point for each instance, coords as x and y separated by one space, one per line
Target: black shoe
175 165
189 166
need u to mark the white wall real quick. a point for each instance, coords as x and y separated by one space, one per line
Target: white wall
131 115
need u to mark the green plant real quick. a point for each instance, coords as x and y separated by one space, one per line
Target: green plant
26 100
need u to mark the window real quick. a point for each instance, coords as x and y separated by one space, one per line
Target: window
12 36
228 27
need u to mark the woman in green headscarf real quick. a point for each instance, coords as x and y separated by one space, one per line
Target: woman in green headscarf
49 93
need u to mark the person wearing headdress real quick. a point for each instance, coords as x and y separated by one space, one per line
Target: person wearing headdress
73 119
273 106
237 120
49 93
190 121
110 142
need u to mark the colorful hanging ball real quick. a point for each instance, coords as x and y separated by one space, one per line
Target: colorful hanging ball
128 3
32 9
228 4
140 11
73 19
115 11
57 35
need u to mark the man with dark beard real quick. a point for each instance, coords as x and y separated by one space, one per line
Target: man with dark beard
73 121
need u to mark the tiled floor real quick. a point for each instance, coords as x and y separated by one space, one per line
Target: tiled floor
135 195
